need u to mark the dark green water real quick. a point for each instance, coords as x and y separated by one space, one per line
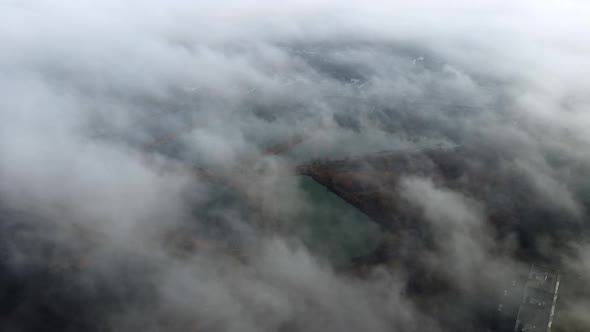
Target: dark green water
332 228
327 225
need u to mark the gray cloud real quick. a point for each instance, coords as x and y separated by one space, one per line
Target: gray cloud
88 90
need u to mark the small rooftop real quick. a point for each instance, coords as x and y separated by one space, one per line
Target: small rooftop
538 303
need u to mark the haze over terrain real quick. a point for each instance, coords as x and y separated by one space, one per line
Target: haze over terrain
142 187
